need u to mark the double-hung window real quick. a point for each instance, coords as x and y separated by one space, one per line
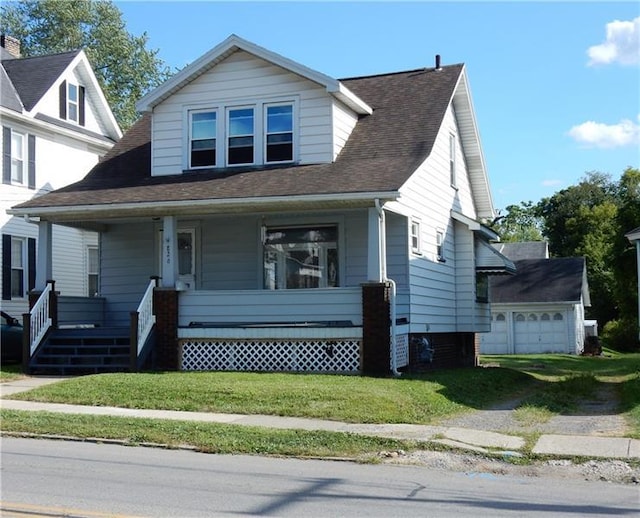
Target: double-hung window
301 257
279 133
92 271
72 102
440 246
416 247
202 142
18 267
240 131
18 154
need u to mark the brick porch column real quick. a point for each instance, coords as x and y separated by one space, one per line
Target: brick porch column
165 304
376 322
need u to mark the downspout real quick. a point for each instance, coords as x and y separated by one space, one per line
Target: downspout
383 267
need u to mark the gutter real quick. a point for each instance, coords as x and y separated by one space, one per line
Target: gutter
178 207
383 260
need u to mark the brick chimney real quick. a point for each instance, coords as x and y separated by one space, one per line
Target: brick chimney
10 44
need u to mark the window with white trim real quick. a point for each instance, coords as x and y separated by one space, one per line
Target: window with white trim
73 102
440 245
18 267
452 160
240 141
301 257
279 133
237 135
416 247
92 271
202 138
18 155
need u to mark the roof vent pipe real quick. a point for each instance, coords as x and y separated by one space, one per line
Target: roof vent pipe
438 67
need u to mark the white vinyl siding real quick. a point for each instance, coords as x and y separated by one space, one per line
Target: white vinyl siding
344 120
242 79
442 294
127 263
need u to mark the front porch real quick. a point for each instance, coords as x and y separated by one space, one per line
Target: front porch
312 330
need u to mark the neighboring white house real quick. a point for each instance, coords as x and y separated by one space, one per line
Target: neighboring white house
296 221
540 309
56 124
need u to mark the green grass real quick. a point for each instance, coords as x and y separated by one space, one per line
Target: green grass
206 437
409 399
10 372
550 384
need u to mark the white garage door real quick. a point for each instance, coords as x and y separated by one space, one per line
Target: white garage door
540 332
495 342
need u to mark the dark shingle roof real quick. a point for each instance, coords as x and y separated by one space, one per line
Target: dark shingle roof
8 95
384 149
524 250
541 280
32 77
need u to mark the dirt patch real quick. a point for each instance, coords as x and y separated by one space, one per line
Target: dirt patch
597 416
615 471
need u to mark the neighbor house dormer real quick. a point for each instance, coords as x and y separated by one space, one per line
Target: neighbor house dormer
241 105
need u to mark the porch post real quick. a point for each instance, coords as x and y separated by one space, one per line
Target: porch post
44 265
375 250
169 252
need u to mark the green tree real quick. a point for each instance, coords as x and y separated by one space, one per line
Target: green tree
125 68
581 221
519 223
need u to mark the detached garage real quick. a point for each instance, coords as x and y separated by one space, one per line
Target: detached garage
540 309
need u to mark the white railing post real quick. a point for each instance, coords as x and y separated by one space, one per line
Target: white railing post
146 318
40 319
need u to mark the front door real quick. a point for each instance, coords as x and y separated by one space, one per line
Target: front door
187 258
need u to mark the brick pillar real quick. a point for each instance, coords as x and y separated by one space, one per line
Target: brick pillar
165 305
376 322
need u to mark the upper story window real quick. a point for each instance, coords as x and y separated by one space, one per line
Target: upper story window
18 154
241 129
72 102
18 158
415 237
202 146
452 160
279 133
259 133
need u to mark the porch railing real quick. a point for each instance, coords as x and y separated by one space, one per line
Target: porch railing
142 322
40 319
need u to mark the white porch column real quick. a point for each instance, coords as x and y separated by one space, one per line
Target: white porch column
375 242
169 253
44 262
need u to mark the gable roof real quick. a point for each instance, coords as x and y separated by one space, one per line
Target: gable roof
561 279
232 44
633 235
33 77
26 81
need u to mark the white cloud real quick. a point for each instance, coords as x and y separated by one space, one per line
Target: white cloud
598 134
622 44
551 183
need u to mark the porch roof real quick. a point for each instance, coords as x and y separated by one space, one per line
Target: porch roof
384 150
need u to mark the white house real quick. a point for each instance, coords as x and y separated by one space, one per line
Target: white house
56 124
295 222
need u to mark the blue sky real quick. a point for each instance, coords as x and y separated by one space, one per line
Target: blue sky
555 85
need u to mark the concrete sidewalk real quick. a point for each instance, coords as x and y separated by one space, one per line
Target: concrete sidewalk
461 438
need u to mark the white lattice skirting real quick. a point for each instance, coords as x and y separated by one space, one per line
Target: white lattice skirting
402 350
331 356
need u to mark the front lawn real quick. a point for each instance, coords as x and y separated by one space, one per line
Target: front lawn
420 399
